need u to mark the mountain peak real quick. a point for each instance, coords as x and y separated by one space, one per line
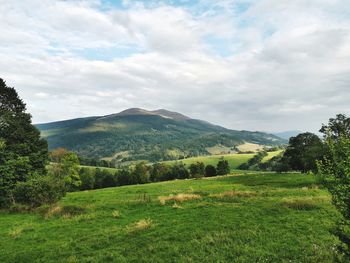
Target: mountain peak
160 112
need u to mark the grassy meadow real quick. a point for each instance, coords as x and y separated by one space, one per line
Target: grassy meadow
253 217
234 159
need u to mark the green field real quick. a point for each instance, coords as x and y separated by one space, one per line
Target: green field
233 159
256 217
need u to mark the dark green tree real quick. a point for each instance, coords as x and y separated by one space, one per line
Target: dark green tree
87 178
141 172
23 153
303 151
210 170
223 167
197 170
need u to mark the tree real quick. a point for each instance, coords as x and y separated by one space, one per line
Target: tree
141 172
178 171
303 151
23 154
334 173
336 127
197 170
158 172
66 167
210 170
222 167
87 178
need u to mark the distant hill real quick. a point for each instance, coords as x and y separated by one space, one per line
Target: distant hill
138 134
287 134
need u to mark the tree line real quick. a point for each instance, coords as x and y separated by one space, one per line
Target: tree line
65 165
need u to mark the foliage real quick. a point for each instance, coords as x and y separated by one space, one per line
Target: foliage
197 170
254 162
39 190
338 126
334 173
223 167
303 151
22 152
66 167
141 173
104 178
159 172
210 170
87 178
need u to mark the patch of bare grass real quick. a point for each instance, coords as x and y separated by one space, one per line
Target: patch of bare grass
116 214
142 224
234 194
18 231
300 203
178 198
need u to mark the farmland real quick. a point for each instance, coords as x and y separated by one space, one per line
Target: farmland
252 217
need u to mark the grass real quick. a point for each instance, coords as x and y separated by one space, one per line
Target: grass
261 217
234 160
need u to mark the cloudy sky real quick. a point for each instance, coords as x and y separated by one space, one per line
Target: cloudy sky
269 65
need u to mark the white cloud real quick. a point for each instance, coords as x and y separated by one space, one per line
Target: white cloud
287 67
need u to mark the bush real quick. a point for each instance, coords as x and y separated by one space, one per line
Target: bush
104 178
87 178
210 170
222 167
197 170
38 191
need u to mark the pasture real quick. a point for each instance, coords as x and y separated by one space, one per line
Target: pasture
253 217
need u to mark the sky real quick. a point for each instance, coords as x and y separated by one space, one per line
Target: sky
268 65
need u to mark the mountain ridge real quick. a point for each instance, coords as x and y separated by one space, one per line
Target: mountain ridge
138 134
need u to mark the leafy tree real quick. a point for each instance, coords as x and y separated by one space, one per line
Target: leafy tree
334 174
210 170
87 178
104 178
158 172
178 171
141 172
197 170
124 177
336 127
39 190
303 151
23 153
222 167
66 167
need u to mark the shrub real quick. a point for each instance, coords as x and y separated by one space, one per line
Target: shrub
197 170
222 167
38 191
210 170
87 178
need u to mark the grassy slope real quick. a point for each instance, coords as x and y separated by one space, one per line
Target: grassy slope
234 159
255 228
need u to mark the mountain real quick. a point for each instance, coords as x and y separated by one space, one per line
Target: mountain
287 134
138 134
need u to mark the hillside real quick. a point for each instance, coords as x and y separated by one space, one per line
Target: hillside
137 134
243 218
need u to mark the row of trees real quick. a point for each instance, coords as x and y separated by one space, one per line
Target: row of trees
142 173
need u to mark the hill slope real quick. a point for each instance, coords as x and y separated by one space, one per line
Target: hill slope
151 135
244 218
